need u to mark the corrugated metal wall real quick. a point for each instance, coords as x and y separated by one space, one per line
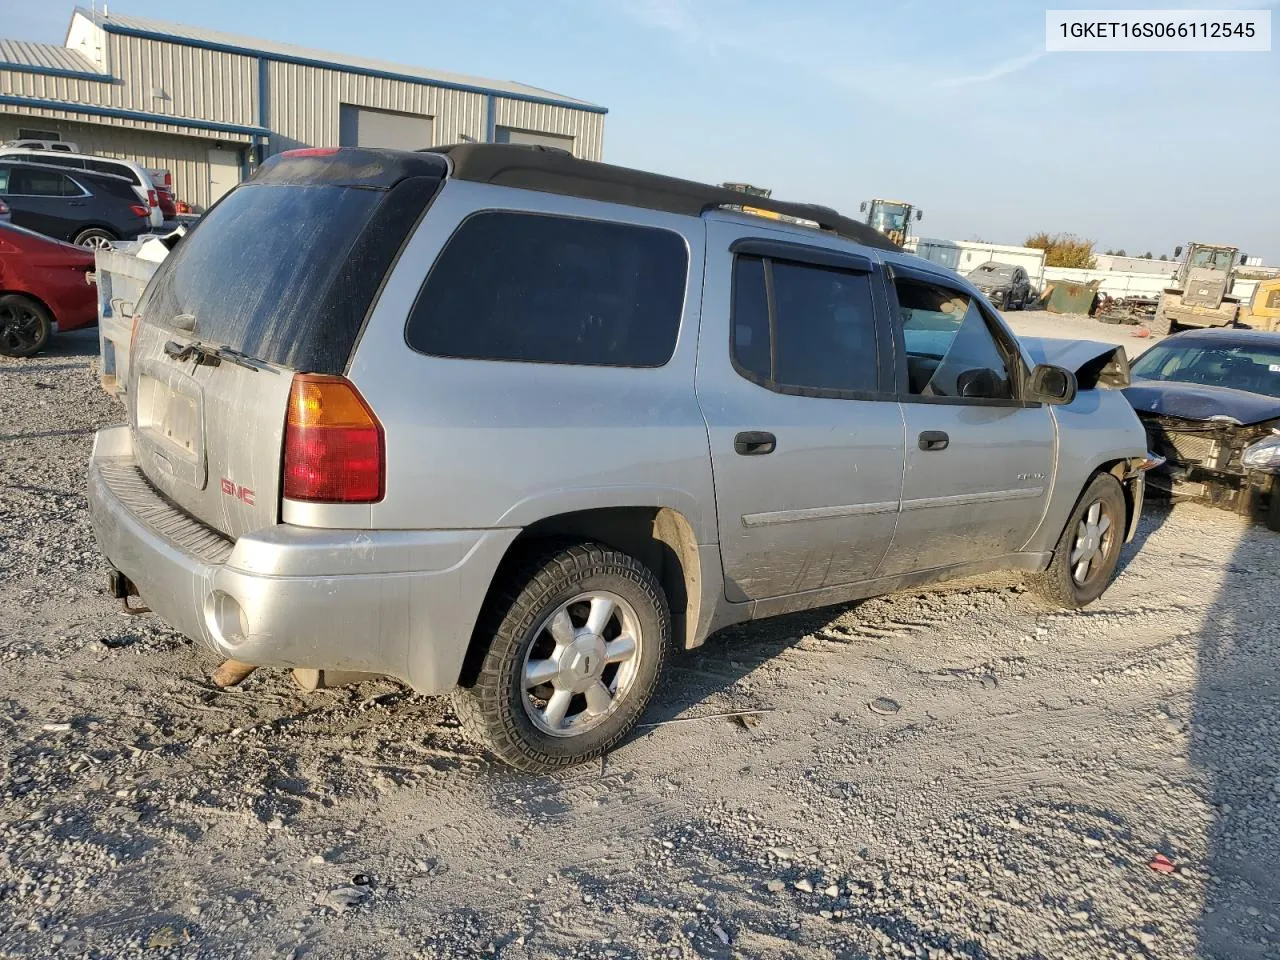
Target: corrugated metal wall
201 84
186 157
304 105
587 129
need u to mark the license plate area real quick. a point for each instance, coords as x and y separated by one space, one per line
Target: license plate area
170 423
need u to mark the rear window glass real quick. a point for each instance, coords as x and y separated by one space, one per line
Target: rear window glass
547 289
286 273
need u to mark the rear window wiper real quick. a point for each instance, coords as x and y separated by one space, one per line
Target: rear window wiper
207 356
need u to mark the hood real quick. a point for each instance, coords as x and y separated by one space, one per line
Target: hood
990 281
1195 401
1093 362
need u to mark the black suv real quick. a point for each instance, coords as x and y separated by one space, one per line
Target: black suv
89 209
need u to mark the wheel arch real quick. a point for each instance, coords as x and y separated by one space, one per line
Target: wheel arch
662 538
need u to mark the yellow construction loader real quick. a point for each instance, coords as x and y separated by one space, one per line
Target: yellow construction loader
891 217
1262 312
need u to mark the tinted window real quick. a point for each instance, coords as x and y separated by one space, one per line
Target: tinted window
53 161
286 273
117 169
751 318
34 182
4 180
522 286
949 347
825 328
823 322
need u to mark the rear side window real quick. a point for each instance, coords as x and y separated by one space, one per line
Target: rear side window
116 169
287 272
801 327
548 289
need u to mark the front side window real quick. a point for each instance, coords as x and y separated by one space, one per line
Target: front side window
33 182
551 289
819 335
950 350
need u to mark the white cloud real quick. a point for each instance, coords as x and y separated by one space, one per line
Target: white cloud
1001 69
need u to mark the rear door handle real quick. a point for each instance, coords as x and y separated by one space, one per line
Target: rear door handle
934 440
753 443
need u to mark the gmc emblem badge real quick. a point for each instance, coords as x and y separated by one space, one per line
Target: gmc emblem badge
232 489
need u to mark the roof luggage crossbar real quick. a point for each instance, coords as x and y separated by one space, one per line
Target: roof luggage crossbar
552 170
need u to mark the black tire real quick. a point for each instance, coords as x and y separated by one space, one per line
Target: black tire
94 237
1160 324
1273 507
500 708
1059 583
25 326
1006 303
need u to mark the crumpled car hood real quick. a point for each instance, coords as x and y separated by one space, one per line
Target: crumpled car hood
1093 362
1195 401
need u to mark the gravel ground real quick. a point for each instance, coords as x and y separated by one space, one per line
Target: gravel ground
1005 798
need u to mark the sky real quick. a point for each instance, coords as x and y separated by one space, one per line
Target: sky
952 105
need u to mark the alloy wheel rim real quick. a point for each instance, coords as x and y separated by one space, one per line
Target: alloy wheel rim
95 242
582 663
1095 534
19 327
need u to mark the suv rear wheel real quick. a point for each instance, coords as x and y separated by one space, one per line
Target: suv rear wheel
95 238
1084 561
579 637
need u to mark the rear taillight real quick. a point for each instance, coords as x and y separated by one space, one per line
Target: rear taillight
333 445
153 198
4 207
138 210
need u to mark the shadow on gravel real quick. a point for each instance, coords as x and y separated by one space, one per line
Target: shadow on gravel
728 656
1154 516
1235 745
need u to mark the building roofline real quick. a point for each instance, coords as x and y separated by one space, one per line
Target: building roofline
123 29
55 71
94 110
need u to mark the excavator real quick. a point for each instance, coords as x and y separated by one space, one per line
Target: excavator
891 217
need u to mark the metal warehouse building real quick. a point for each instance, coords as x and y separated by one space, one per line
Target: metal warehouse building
209 106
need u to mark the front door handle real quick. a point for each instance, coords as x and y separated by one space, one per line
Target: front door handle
752 443
934 440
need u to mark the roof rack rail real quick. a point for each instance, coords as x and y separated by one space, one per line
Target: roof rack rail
554 170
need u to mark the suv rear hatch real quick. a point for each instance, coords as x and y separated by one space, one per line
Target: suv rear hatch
276 279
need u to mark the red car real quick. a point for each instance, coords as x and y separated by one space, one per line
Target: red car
42 282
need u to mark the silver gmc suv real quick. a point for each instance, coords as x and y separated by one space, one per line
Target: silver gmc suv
493 420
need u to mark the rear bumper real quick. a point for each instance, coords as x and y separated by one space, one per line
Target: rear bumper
401 603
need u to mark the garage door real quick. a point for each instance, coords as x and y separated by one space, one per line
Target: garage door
512 135
364 127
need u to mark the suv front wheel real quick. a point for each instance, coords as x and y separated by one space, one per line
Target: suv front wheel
1085 559
579 637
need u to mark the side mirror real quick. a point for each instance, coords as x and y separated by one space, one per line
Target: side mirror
919 214
1243 258
1177 252
1051 384
862 207
980 383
